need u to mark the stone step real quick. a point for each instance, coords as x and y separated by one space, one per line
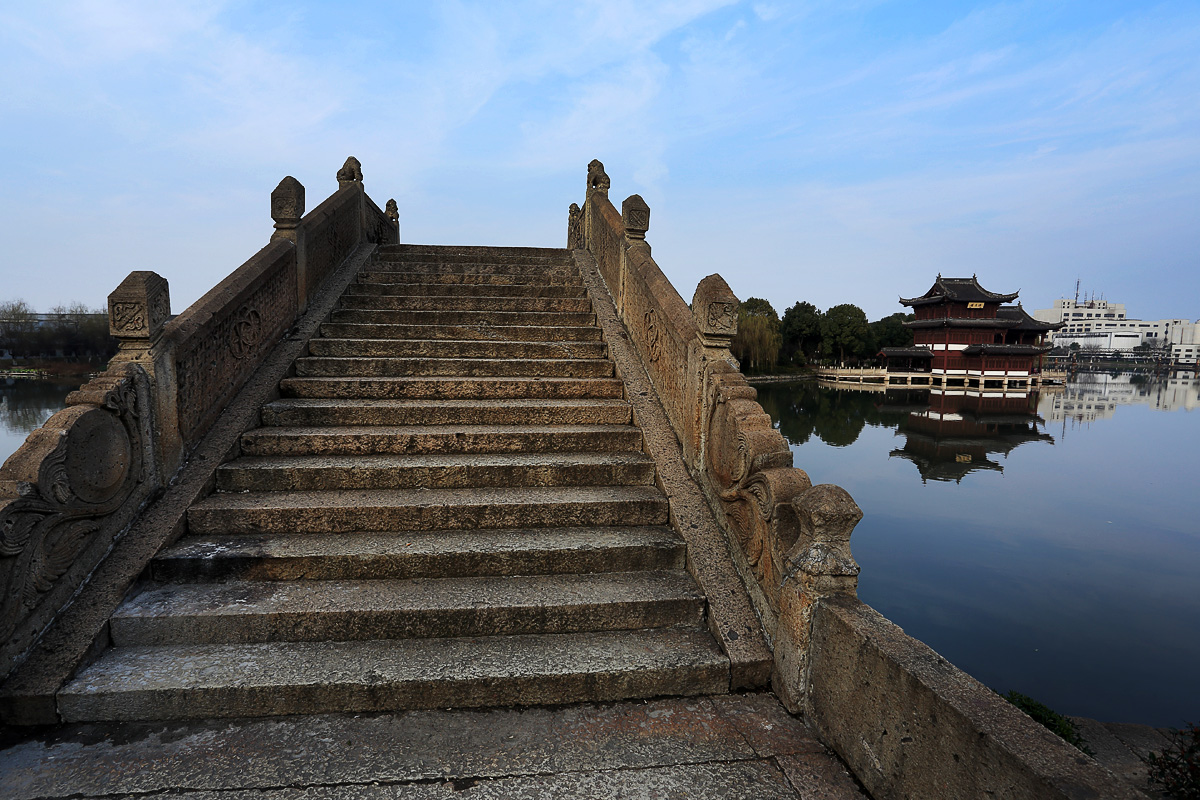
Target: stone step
415 272
252 680
318 411
493 257
453 348
441 303
471 331
362 440
534 318
376 288
435 471
453 388
372 274
322 367
345 511
419 554
474 251
418 608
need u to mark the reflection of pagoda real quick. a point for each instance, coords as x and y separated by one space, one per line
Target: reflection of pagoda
965 336
957 433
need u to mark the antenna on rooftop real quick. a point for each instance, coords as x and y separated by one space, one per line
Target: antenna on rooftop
1077 291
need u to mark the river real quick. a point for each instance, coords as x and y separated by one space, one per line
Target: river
1048 544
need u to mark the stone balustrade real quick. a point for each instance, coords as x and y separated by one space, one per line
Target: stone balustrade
80 480
907 722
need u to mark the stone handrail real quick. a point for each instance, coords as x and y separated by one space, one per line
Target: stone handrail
907 722
82 478
792 539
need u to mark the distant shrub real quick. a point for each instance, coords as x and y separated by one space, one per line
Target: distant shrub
1050 719
1177 769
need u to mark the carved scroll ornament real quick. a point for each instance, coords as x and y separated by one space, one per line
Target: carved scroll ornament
55 491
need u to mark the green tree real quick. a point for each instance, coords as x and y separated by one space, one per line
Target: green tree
758 339
801 333
890 331
844 330
17 328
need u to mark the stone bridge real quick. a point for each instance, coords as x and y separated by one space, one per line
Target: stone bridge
365 476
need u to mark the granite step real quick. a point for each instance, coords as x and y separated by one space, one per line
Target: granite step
454 348
443 388
494 318
375 273
329 367
474 331
458 302
322 411
416 269
199 681
435 471
377 288
419 554
415 608
345 511
353 440
474 251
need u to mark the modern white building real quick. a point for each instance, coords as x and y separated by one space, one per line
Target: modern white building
1101 325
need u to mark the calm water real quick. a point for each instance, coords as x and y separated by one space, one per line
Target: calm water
1047 544
24 405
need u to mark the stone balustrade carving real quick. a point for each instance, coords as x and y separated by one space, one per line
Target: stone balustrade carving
82 478
789 538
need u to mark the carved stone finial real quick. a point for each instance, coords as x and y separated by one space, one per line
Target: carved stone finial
287 207
714 309
597 179
138 308
635 216
574 228
351 172
827 515
391 211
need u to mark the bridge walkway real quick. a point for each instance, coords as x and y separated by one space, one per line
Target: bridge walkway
447 506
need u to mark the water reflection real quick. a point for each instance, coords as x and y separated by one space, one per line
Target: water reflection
25 404
1070 574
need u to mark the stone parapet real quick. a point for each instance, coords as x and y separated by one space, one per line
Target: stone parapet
790 542
81 479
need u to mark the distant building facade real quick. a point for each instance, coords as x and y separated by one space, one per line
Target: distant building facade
969 337
1100 325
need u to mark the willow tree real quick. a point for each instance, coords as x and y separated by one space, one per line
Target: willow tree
758 339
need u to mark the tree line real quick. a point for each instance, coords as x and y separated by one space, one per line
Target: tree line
806 335
73 332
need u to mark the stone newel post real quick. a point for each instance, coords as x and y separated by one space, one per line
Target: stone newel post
819 566
287 207
714 310
137 311
635 216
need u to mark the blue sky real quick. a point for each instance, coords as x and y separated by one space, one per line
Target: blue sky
829 152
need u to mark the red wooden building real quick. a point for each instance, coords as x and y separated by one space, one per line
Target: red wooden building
965 335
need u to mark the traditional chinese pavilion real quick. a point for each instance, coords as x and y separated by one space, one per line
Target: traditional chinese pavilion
965 335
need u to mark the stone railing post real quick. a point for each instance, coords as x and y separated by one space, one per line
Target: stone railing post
597 186
392 212
137 311
287 208
575 228
819 565
635 219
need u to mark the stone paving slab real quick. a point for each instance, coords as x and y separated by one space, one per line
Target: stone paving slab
743 746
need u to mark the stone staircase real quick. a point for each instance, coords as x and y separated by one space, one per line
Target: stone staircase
448 506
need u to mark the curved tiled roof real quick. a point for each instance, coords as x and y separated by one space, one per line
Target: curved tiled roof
1023 321
960 290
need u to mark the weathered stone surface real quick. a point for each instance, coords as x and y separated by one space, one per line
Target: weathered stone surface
242 680
495 318
405 510
363 440
287 207
559 467
437 281
453 388
351 172
449 348
419 554
456 367
377 286
139 307
342 610
478 331
387 302
358 411
635 216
